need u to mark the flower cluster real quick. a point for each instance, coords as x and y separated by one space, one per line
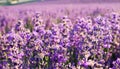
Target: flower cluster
90 42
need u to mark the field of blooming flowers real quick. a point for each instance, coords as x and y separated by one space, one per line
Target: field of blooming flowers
61 39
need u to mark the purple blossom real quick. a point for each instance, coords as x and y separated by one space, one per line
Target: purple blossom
45 40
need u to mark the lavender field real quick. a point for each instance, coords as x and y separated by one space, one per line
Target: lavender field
60 35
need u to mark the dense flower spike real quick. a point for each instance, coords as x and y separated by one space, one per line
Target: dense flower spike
49 41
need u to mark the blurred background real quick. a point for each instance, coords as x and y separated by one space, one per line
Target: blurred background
9 2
